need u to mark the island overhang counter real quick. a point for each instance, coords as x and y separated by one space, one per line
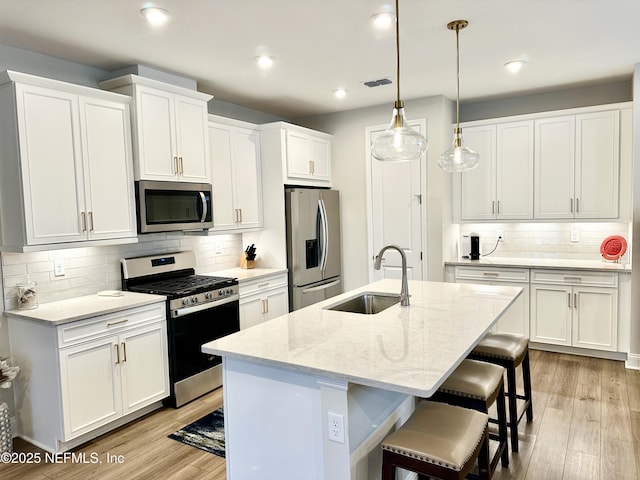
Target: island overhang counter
311 394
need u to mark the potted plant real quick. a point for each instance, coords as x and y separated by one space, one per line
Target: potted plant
7 374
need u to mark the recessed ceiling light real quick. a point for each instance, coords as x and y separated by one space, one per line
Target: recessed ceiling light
264 61
155 16
514 66
383 20
340 93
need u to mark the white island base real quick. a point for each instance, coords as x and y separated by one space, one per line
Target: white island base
261 400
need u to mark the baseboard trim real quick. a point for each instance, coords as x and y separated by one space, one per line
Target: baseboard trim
633 361
585 352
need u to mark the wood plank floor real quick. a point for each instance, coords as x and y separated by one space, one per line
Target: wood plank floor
586 426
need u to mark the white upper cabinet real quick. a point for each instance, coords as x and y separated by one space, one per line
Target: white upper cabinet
577 165
305 153
236 175
170 129
562 165
501 187
67 172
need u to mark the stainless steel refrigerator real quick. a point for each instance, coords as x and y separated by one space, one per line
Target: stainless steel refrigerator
313 245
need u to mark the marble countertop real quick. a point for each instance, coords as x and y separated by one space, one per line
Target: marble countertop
543 263
247 274
80 308
404 349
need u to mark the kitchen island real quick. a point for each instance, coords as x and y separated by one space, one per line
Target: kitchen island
311 394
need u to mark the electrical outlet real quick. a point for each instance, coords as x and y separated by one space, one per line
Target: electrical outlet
58 268
218 249
500 235
575 236
336 427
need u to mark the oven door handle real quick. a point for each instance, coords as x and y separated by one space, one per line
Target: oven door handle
181 312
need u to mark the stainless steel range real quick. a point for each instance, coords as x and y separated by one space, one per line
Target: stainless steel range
200 308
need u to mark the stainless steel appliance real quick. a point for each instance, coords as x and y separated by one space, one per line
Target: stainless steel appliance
200 308
171 206
314 259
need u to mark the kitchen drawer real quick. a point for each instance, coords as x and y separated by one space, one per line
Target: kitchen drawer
264 283
96 327
492 274
571 277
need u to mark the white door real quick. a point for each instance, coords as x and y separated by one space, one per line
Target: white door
144 366
395 207
514 171
277 303
91 387
155 118
224 210
595 318
251 311
192 139
51 165
298 155
551 314
479 185
248 176
108 167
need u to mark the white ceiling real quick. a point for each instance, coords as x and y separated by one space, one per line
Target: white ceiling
320 45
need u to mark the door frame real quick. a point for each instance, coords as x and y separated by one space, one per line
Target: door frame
421 125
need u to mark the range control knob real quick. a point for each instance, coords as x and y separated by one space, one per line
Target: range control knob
221 291
208 296
185 301
229 291
194 299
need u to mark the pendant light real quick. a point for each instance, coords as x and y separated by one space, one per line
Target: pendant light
399 142
458 158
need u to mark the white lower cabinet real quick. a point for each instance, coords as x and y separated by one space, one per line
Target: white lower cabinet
104 368
516 319
578 309
263 299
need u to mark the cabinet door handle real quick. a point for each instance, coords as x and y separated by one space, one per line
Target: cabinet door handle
175 165
181 166
262 303
266 304
240 210
569 300
571 205
493 207
124 352
117 354
577 205
111 324
83 221
91 221
575 301
311 167
498 205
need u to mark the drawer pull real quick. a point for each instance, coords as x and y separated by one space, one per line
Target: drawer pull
117 354
262 285
124 352
119 322
574 279
490 274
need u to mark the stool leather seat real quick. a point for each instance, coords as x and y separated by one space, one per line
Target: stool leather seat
504 346
439 434
474 379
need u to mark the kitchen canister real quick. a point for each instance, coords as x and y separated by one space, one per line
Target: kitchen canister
27 295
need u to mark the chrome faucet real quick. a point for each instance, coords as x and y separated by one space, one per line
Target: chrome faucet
404 291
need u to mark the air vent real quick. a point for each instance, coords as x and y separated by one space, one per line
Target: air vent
377 83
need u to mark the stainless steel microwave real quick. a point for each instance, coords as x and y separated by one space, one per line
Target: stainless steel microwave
173 206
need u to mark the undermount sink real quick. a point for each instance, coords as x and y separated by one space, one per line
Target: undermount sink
368 303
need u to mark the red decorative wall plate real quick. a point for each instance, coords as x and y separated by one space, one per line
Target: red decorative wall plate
613 247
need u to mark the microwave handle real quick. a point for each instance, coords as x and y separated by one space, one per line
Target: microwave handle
204 206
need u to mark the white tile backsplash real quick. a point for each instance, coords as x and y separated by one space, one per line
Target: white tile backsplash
91 269
548 240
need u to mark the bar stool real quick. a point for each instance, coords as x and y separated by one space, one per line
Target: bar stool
440 441
477 385
509 351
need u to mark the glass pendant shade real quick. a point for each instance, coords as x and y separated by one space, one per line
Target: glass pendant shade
458 158
399 142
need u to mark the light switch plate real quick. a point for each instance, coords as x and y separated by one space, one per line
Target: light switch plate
575 236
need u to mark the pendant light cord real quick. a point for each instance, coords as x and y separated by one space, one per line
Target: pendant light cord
458 77
397 53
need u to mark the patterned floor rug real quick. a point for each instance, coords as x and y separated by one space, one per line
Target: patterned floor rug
206 433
